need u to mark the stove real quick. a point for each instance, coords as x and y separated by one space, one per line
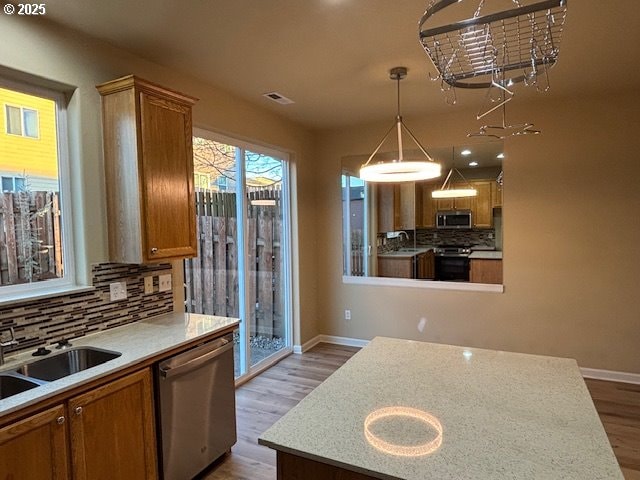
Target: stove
452 263
452 251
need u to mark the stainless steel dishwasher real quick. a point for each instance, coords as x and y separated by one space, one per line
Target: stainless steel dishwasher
196 407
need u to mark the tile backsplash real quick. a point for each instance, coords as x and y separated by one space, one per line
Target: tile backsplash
485 237
46 321
475 237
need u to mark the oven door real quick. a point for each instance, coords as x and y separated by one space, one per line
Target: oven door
452 268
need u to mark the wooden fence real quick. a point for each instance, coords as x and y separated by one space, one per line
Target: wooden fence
212 277
358 253
30 237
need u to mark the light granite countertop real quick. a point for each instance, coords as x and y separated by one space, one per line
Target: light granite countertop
136 341
405 252
486 255
502 416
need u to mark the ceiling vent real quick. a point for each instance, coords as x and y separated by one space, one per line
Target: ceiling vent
276 97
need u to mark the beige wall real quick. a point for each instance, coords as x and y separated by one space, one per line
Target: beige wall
571 216
571 240
39 48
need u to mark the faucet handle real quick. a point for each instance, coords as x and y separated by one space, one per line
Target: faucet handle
12 339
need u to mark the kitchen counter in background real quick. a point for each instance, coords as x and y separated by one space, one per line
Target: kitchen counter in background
486 255
137 342
406 252
491 414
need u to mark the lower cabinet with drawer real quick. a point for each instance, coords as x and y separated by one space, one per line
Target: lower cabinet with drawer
105 433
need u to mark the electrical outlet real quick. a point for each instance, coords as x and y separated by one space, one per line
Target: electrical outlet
347 314
118 291
164 283
148 285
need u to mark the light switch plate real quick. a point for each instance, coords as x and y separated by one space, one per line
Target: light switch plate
148 285
164 283
118 291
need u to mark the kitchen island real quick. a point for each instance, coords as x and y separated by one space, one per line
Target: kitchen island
411 410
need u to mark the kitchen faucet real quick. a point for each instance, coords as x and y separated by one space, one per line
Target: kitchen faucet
10 342
406 235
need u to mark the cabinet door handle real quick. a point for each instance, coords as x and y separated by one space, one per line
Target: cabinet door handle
154 250
78 410
60 420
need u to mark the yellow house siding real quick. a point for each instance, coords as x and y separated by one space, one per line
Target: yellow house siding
37 157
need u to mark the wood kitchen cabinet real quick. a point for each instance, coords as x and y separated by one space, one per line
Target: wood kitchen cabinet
395 267
112 431
148 155
396 207
36 447
425 266
386 195
458 203
485 271
425 205
481 205
496 194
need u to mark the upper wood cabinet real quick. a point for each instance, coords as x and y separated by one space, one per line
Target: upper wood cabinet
148 157
496 194
386 196
407 206
396 207
481 207
425 205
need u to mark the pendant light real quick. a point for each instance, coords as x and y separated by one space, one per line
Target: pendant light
399 169
447 192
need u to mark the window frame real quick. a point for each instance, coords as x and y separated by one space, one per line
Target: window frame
68 281
22 121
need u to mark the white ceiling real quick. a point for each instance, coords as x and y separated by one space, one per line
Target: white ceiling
332 56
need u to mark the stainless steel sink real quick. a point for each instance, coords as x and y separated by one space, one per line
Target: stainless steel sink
70 361
409 249
12 385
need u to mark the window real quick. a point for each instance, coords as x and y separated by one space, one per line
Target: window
12 184
202 181
21 121
34 210
354 228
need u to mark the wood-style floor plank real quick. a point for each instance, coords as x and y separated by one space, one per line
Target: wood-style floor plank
618 405
267 397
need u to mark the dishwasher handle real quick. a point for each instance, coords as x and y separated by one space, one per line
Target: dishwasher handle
219 347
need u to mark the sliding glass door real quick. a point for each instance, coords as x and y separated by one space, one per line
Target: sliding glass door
243 264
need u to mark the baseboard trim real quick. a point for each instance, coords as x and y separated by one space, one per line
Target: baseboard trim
307 345
346 341
610 375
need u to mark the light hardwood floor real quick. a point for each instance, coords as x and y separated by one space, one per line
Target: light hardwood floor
267 397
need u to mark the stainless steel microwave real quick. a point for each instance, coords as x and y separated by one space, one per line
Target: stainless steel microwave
454 219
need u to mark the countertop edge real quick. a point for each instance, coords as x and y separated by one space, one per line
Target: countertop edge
327 461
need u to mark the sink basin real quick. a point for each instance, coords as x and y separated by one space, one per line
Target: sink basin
12 385
409 250
66 363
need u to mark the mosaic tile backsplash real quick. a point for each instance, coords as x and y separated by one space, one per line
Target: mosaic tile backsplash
431 236
46 321
475 237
